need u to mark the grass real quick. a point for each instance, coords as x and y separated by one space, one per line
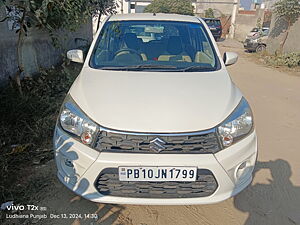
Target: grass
26 127
290 60
287 61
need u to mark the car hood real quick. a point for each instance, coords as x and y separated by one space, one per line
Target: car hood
159 102
253 35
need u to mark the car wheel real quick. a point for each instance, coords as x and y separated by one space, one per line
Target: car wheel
260 48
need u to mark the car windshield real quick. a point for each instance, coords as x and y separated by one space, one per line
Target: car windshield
213 22
265 31
153 46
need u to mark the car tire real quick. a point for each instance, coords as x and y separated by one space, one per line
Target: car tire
260 48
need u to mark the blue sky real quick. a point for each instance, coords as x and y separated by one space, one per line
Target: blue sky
246 4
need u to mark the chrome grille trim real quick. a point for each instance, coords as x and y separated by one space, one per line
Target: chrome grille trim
212 130
201 142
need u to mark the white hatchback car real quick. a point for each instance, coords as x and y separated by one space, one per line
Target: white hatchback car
154 117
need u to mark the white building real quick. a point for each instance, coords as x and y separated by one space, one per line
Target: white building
137 6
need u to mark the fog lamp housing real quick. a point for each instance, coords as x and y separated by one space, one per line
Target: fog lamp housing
243 171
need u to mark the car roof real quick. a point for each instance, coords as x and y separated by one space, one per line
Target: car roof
210 19
154 16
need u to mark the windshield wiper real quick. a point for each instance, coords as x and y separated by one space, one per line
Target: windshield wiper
149 66
138 67
196 68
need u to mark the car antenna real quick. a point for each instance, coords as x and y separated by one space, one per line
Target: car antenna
154 14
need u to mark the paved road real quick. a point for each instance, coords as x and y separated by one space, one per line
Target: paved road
274 196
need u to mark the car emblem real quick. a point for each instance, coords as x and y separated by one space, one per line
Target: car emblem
157 145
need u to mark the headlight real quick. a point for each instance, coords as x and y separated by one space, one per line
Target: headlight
74 121
237 125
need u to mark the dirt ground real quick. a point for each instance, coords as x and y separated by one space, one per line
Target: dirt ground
274 196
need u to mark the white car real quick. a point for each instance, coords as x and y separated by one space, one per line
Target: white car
256 32
155 122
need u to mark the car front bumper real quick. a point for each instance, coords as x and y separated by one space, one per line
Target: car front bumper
79 166
250 46
217 35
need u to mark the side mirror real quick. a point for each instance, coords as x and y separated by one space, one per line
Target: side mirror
75 56
230 58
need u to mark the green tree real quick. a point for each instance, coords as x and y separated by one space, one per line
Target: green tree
259 23
184 7
289 11
209 13
51 15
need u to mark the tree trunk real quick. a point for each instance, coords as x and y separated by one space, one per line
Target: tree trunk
20 42
285 36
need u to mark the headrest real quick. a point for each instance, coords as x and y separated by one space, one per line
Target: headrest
131 41
174 45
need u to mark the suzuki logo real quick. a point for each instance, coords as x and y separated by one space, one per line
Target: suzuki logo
157 145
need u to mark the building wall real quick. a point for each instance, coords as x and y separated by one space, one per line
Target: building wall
37 52
245 22
277 34
220 7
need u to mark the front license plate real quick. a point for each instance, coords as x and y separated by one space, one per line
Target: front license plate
157 173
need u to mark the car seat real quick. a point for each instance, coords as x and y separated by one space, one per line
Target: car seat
132 42
175 51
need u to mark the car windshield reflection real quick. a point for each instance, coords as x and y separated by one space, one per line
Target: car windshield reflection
154 45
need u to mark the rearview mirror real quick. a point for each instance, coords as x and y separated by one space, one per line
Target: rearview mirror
75 55
230 58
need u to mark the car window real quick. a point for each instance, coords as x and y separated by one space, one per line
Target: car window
212 22
154 45
217 22
265 32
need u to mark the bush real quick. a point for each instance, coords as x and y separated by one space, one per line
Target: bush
209 13
184 7
288 59
27 125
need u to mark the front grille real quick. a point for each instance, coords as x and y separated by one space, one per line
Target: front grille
247 42
108 183
109 141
